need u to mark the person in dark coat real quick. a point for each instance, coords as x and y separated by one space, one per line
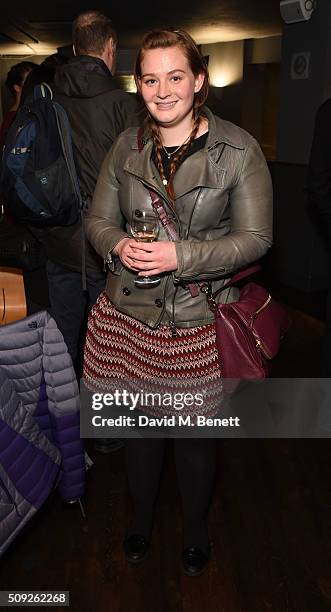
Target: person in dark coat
319 190
14 82
98 112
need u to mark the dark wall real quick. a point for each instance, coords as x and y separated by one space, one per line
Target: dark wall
260 104
298 257
300 97
226 102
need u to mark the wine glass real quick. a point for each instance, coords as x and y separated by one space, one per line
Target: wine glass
145 228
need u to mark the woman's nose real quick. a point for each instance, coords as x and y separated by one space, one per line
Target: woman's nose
163 89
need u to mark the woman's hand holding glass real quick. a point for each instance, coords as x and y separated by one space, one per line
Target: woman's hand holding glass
145 228
147 258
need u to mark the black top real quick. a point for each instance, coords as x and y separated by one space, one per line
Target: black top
196 145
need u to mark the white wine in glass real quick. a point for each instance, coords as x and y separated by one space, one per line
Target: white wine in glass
145 228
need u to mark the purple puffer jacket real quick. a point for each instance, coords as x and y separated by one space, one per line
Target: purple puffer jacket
39 421
29 464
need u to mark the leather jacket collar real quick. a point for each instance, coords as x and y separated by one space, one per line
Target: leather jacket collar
207 171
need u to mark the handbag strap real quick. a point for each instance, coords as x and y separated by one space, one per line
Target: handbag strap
211 297
161 212
157 204
165 220
239 276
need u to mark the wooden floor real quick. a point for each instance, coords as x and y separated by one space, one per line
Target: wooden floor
270 527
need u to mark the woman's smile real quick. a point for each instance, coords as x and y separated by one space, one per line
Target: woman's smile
165 105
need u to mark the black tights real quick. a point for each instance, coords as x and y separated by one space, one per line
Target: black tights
195 464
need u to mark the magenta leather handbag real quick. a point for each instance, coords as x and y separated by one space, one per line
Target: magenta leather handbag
248 331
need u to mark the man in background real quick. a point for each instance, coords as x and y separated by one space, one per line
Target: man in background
98 112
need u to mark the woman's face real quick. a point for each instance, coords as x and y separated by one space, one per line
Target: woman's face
168 85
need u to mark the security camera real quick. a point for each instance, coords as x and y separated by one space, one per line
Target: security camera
293 11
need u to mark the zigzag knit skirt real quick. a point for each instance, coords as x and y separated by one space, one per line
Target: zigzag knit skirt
120 348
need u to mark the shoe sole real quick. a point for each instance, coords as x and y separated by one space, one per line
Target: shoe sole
194 574
136 561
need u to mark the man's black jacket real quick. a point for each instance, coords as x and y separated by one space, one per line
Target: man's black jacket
98 112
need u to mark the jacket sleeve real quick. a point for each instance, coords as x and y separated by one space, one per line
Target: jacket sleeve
250 220
319 169
105 223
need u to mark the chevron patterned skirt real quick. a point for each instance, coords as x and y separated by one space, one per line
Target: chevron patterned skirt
120 348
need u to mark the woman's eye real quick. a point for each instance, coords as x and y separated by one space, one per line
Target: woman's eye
176 78
150 82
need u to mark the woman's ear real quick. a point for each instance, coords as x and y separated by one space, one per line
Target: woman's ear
199 81
111 55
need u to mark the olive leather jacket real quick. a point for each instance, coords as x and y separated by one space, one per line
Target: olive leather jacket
223 215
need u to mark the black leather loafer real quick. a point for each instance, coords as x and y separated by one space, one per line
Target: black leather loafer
195 561
136 548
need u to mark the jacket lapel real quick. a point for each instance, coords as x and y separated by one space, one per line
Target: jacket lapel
199 170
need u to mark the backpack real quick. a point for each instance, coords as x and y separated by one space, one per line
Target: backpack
38 176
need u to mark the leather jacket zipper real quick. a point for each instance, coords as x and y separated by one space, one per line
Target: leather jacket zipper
191 216
172 323
163 197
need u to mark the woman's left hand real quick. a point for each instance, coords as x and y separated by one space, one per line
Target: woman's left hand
154 258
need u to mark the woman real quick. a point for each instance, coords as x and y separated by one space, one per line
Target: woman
15 80
214 183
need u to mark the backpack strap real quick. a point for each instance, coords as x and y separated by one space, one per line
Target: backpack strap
66 143
43 90
64 130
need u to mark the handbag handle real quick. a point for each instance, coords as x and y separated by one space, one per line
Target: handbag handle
211 297
239 276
